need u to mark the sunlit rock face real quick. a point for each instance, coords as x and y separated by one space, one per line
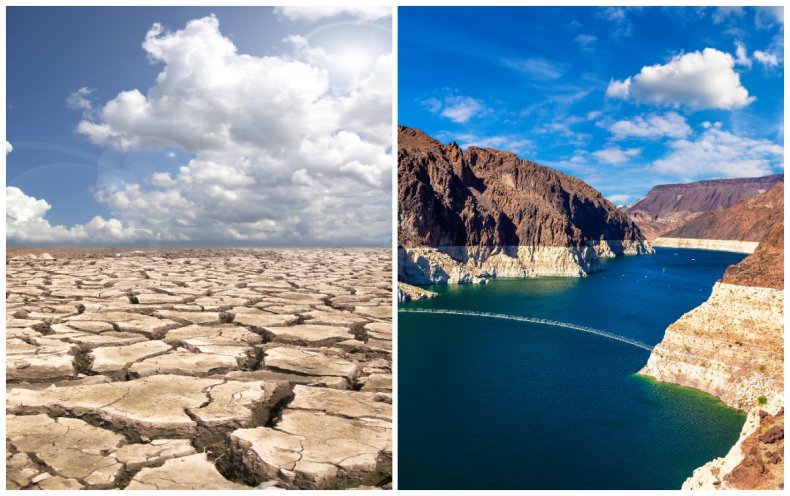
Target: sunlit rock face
668 207
732 346
465 216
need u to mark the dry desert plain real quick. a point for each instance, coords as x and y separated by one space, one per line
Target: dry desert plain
198 369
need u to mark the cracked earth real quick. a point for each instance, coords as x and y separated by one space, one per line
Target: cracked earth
199 369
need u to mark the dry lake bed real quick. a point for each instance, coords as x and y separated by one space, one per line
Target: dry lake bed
198 369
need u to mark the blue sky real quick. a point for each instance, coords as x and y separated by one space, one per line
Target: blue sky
623 98
222 150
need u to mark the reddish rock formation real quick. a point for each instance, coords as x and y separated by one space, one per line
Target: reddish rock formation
668 206
732 346
765 267
762 466
747 220
486 197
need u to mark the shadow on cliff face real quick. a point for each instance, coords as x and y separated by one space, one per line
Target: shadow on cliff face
415 269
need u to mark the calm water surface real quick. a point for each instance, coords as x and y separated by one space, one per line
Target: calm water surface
498 404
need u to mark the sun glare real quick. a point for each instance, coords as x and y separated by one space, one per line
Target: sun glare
354 60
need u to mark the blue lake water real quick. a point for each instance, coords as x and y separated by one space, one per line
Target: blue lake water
496 404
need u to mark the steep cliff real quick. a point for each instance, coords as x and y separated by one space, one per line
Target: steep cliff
467 215
732 346
669 206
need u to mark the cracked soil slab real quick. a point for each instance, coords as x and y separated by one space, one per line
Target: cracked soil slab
198 369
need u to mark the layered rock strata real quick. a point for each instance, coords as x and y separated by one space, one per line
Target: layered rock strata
145 370
738 228
732 346
707 244
727 346
669 206
465 216
407 292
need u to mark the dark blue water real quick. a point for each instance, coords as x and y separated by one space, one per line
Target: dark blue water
495 404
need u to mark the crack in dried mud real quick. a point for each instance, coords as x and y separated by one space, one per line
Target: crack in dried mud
142 350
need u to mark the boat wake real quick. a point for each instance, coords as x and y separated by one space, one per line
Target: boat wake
532 320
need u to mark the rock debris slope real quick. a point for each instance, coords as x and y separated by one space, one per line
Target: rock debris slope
468 215
732 346
199 369
668 206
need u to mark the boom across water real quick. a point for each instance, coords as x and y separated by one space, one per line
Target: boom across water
532 320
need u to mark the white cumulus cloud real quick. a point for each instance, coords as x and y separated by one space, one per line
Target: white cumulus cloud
26 225
616 155
619 89
696 80
652 126
719 153
8 148
251 123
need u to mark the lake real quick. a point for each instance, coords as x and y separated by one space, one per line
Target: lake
495 404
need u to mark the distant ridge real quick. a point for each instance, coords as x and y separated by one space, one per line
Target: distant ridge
747 220
669 206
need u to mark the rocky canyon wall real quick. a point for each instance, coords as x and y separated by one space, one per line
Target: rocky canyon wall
465 216
667 207
732 346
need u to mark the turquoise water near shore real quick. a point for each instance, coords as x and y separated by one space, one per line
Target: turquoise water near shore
495 404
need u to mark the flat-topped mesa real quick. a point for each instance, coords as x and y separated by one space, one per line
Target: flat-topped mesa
468 215
732 346
668 206
739 227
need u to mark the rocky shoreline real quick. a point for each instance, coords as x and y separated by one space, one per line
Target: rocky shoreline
707 244
754 462
732 346
477 264
727 347
407 292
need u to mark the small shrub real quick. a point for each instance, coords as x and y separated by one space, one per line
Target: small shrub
762 399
